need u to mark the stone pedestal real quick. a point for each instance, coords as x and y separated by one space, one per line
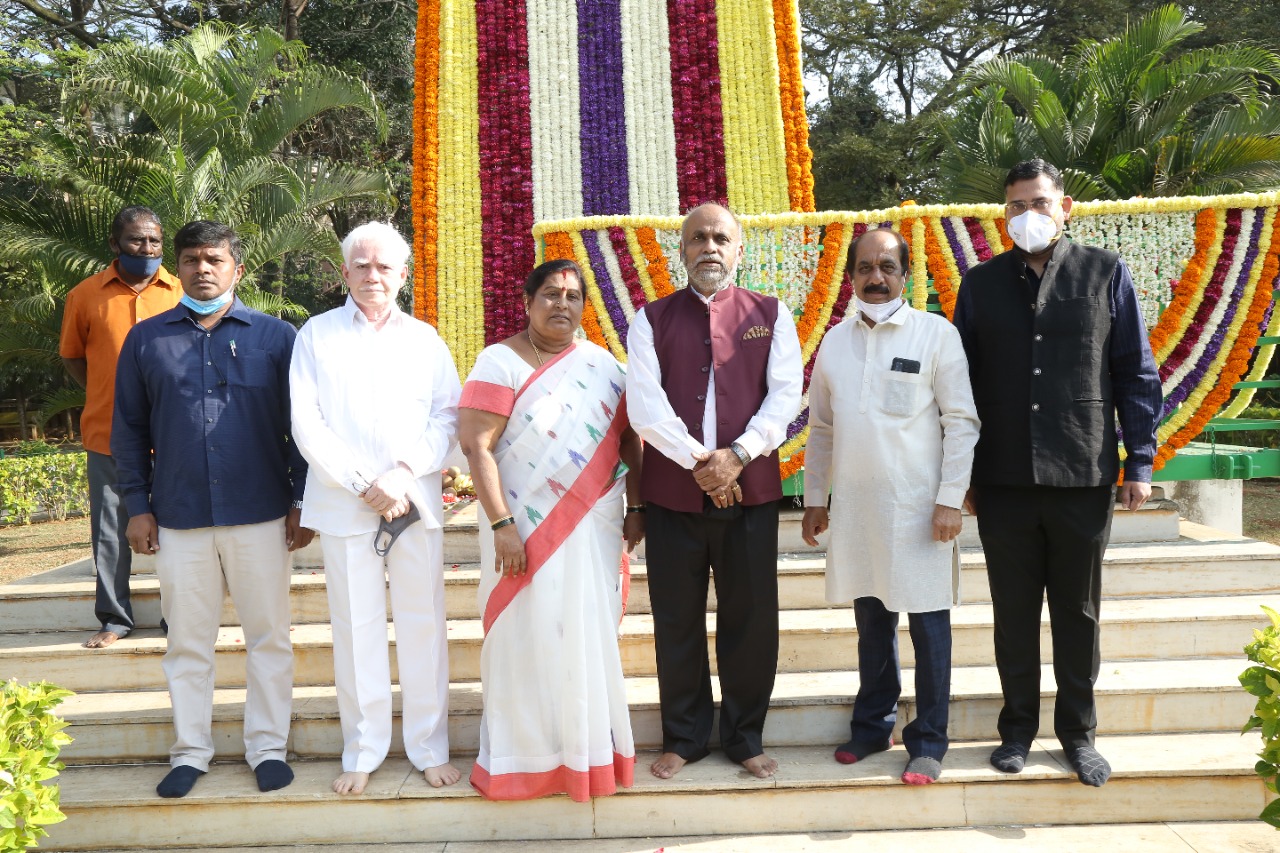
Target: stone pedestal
1213 503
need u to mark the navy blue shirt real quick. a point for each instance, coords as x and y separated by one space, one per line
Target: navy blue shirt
200 435
1135 381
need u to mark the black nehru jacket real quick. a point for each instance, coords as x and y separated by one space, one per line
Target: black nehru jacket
1039 362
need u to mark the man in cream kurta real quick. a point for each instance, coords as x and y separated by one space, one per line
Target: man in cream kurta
892 427
375 411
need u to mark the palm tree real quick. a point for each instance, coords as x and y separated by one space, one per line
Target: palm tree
202 127
1123 117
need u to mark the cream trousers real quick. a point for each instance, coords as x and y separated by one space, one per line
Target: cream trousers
196 569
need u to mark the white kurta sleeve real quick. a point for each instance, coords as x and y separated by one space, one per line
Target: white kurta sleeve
426 452
819 449
326 453
767 430
959 418
648 408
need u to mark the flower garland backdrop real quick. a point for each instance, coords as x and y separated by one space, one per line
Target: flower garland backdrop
1205 268
535 110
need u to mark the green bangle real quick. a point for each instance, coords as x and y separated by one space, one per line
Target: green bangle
502 522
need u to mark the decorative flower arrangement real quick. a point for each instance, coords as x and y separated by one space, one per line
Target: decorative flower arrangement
547 110
1221 300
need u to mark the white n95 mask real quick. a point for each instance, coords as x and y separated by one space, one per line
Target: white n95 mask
1032 232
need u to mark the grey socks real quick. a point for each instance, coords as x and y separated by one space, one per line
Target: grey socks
1010 757
1091 768
922 770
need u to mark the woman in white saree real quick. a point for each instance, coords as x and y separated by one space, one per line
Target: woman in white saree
543 424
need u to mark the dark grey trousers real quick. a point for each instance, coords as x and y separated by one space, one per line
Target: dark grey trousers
112 559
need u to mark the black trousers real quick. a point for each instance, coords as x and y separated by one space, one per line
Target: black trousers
682 551
1039 540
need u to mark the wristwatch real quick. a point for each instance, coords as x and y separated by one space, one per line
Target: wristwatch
297 504
743 456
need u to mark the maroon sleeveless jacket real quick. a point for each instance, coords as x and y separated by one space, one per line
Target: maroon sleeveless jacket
733 336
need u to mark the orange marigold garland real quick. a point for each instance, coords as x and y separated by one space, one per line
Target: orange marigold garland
426 130
813 319
940 270
1191 285
1237 362
655 262
795 123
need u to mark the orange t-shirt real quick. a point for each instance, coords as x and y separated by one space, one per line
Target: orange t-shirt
99 312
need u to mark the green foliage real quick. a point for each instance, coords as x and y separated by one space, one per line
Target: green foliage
31 737
1132 115
1263 681
57 483
1257 438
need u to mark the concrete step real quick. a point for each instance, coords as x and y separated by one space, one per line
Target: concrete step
1210 837
1202 562
809 640
808 709
1157 778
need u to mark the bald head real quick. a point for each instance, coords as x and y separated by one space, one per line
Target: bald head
711 247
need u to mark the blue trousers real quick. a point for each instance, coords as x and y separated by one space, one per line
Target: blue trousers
875 709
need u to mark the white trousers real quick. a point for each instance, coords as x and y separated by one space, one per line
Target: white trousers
356 579
196 569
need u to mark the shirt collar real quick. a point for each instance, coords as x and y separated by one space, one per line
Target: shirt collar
359 320
724 287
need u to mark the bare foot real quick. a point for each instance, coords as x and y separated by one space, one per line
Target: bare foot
441 775
101 640
667 765
762 766
351 783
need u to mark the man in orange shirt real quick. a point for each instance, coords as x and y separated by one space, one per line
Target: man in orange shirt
99 312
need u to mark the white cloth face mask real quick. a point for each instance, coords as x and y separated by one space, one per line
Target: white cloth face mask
880 312
1032 232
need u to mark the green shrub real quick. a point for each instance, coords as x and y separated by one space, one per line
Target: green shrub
30 739
1263 681
33 448
57 482
1257 437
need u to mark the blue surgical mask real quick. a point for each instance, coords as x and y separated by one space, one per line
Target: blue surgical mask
139 265
206 306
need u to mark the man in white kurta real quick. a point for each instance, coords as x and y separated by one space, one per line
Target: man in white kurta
892 427
375 411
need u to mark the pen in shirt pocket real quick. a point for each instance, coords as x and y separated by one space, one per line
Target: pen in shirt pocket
233 349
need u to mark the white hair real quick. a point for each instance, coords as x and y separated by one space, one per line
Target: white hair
380 233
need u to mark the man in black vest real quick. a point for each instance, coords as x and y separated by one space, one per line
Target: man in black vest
1057 349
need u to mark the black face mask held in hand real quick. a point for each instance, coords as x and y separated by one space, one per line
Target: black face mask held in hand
389 531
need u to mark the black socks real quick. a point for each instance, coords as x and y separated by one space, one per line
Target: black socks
1091 768
854 751
179 782
273 774
1010 757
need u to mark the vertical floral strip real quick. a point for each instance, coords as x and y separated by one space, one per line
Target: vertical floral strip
786 16
603 126
506 161
695 97
609 277
625 260
1269 278
641 263
942 264
826 287
606 321
651 138
554 109
426 161
995 238
1208 297
459 288
977 238
658 266
1231 363
1210 224
1200 348
754 143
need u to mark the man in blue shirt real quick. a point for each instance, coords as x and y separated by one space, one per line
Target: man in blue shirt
213 484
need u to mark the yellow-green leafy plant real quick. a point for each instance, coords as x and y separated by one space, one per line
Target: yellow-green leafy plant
1263 681
31 736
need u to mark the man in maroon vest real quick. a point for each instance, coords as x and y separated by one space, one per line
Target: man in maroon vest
714 378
